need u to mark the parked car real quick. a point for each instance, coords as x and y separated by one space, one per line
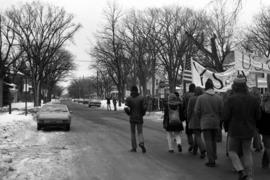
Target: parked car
94 102
53 115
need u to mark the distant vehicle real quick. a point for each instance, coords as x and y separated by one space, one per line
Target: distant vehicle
55 101
94 102
53 115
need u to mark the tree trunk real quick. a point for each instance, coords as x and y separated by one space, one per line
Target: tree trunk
49 95
37 92
153 84
1 92
120 94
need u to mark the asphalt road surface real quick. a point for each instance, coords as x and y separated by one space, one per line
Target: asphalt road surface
100 144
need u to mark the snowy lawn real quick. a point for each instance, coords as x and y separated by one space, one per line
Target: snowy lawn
154 115
23 148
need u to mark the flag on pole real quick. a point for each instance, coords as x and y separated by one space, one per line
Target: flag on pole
187 74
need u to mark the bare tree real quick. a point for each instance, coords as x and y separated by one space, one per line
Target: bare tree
10 52
173 43
217 39
108 50
41 29
257 39
135 34
60 66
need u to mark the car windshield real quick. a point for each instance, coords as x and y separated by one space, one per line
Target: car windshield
54 108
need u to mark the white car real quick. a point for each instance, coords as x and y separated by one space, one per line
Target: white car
94 102
53 115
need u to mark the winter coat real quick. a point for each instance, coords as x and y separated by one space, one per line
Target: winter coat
137 106
166 124
192 118
208 107
264 123
186 98
241 112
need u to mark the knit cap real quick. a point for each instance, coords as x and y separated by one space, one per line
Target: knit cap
173 100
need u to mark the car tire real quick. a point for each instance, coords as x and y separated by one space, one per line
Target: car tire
67 127
89 106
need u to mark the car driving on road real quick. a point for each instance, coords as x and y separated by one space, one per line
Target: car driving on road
53 115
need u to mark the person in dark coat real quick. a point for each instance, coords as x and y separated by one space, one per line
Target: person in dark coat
136 108
208 107
186 97
108 98
172 122
264 128
195 124
241 113
114 103
257 141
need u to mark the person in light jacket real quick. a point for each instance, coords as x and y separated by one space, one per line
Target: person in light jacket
208 107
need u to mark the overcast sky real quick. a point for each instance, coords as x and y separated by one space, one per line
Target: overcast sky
89 13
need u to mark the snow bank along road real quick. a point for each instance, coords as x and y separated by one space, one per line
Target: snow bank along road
96 148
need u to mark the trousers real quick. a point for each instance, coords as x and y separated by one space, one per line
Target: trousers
139 127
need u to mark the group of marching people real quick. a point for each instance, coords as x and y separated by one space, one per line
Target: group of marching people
244 116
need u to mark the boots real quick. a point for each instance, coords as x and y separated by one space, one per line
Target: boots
142 147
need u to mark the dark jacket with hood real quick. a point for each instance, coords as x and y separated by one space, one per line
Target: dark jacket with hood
209 107
137 106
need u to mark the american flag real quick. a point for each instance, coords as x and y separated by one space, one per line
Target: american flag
187 74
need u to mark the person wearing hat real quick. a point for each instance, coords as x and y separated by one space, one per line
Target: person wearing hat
241 112
172 121
136 109
208 108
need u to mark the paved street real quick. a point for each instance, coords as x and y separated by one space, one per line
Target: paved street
97 148
103 139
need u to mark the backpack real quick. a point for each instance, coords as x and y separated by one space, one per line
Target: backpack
174 117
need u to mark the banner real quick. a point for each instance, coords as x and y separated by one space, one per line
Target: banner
251 63
222 81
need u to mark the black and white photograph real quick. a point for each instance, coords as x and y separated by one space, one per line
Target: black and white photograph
134 90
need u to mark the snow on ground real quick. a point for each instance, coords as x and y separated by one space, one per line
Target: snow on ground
24 150
22 147
153 116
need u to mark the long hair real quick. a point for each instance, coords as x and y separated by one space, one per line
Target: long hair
240 88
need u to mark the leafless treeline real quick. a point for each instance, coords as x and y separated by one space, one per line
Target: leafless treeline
134 45
32 39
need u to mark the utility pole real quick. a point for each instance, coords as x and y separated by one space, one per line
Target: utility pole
97 84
